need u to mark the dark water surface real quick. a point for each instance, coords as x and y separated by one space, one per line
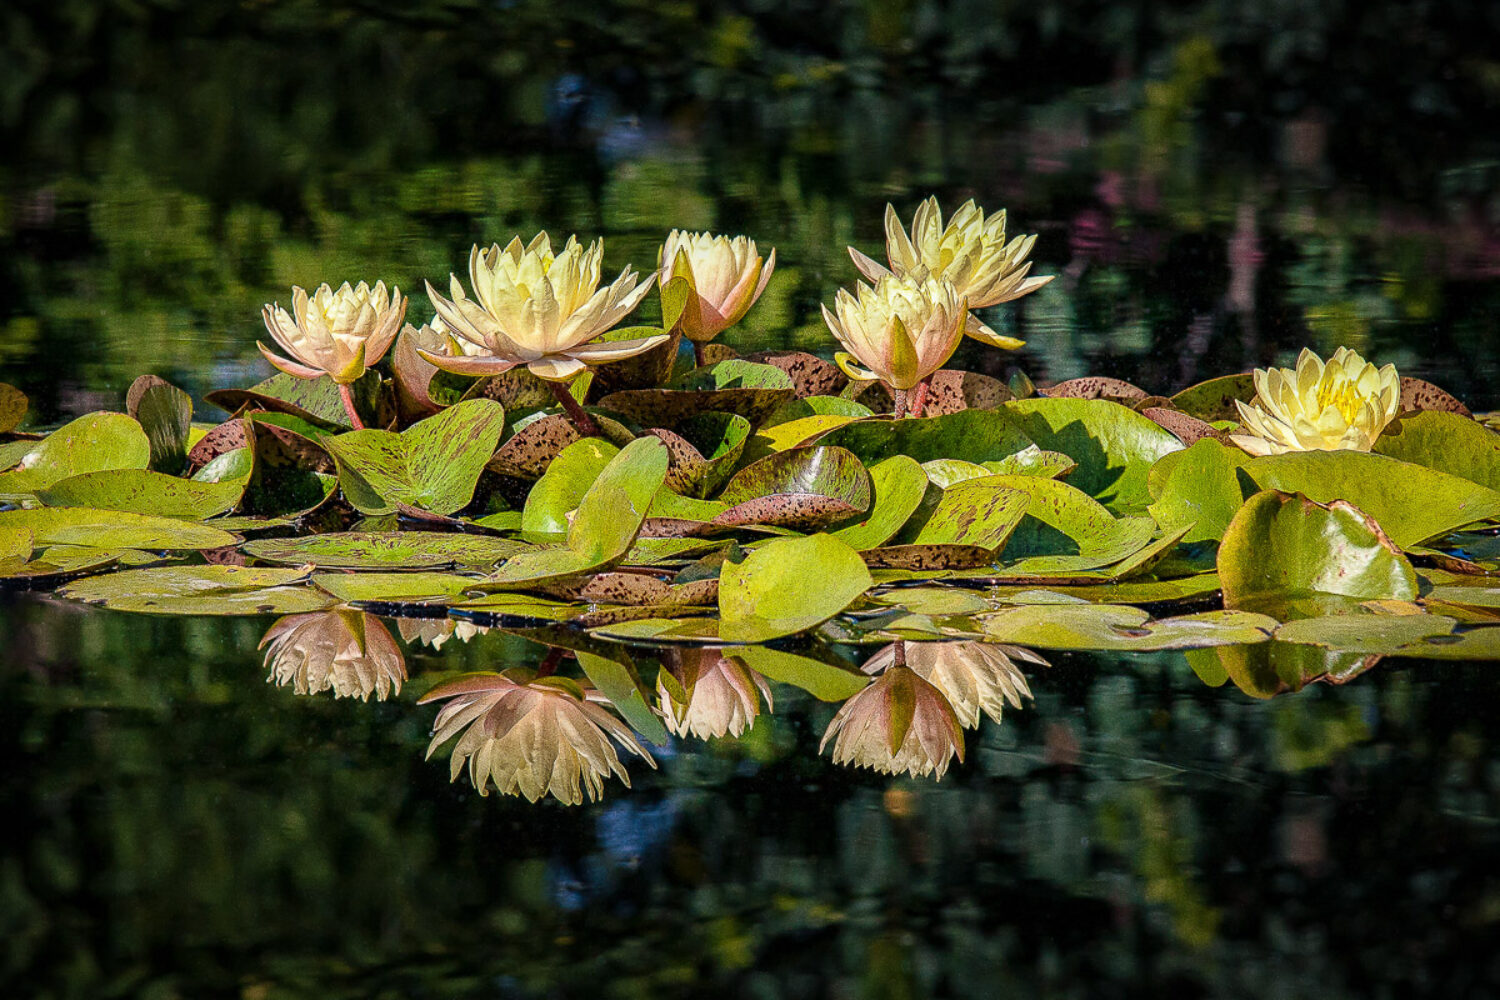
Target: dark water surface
1215 187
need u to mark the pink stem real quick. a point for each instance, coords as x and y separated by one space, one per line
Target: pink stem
581 420
900 395
919 398
347 395
697 354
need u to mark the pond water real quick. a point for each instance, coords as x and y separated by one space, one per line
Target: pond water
1213 195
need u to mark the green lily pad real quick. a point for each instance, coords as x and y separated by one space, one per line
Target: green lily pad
787 586
433 465
656 551
898 484
1033 461
145 492
619 683
1201 491
314 399
823 681
561 488
1199 587
971 521
1447 442
607 520
1384 635
92 443
805 488
1122 628
944 472
816 406
1214 399
165 413
703 449
13 407
387 550
201 590
48 566
1283 549
113 529
1113 445
969 435
1412 503
751 390
405 588
1066 530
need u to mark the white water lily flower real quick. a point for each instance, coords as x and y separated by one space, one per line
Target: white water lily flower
336 333
531 736
537 309
899 723
901 331
725 275
1342 404
346 651
971 252
706 694
974 676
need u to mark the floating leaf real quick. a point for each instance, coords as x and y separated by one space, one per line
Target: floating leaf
1033 461
944 472
823 681
314 399
1066 530
753 391
144 492
561 488
201 590
810 374
433 465
1447 442
805 488
536 441
1114 446
1184 426
406 588
13 406
1417 394
1094 387
970 435
1285 551
703 449
165 413
949 391
1201 586
1384 635
969 523
787 586
387 550
815 406
113 529
898 484
1201 491
92 443
1214 399
1412 503
1121 628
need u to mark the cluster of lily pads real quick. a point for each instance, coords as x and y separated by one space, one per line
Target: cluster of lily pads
528 465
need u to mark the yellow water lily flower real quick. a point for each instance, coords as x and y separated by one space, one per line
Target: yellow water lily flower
704 693
899 723
901 331
531 736
725 276
539 309
971 252
348 652
1341 404
337 333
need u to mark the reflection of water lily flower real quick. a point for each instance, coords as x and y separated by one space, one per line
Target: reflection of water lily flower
347 651
902 330
534 308
899 723
337 333
531 736
970 252
974 676
726 276
436 631
1342 404
707 694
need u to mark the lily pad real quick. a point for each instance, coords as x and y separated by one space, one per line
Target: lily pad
201 590
145 492
1199 587
1113 445
945 472
1447 442
528 452
165 413
13 406
1184 426
1066 530
1214 399
1385 635
113 529
406 588
561 488
806 488
1418 394
1122 628
1412 503
1095 387
703 449
970 435
92 443
787 586
1201 491
1285 551
387 550
950 391
753 391
316 399
433 465
1034 461
970 523
810 374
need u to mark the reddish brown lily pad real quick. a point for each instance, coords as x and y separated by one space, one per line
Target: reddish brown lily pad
1188 428
1094 387
1418 394
810 374
530 450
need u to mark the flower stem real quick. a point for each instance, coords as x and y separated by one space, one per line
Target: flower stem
900 395
550 662
919 397
698 361
585 423
347 395
899 657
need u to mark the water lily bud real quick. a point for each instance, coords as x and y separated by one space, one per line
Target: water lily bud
535 308
724 278
337 333
901 331
1342 404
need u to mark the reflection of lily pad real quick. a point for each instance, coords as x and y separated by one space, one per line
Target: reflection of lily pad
823 681
113 529
201 590
787 586
1283 547
805 488
386 550
1116 627
433 465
